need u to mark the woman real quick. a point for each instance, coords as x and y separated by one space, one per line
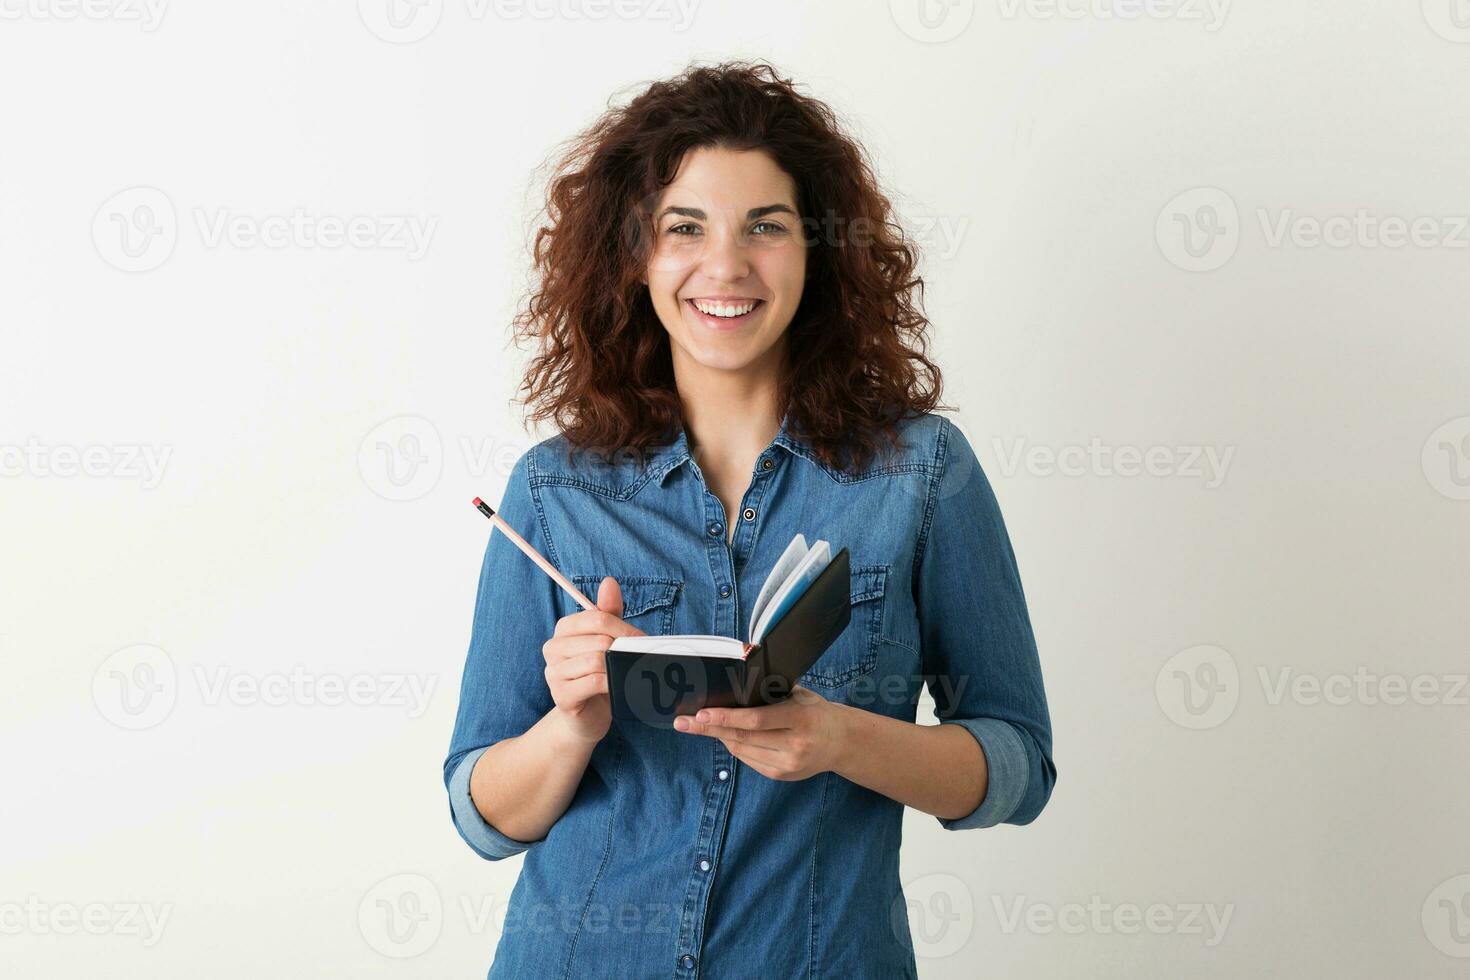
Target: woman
739 361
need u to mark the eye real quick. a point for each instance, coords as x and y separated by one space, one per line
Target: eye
776 229
674 229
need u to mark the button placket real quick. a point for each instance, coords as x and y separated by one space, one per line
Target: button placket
720 788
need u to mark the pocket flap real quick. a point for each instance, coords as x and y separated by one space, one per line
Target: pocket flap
640 592
868 582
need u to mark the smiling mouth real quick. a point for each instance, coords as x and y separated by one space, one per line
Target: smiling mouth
724 322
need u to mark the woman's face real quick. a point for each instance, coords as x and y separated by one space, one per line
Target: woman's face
727 235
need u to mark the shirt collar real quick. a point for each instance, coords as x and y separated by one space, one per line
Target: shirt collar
665 459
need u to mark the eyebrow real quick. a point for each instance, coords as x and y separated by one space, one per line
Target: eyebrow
750 215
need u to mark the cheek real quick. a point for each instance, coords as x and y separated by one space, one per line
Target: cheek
784 268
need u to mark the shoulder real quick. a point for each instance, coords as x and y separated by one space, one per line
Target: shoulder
555 461
926 441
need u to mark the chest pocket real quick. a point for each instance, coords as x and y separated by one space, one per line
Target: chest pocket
855 652
648 603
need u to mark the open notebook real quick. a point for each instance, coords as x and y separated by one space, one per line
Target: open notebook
800 610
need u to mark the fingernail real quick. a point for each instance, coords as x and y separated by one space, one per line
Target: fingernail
702 716
681 723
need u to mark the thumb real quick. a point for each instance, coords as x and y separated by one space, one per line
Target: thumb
610 596
610 600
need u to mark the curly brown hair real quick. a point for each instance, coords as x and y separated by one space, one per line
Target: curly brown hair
857 349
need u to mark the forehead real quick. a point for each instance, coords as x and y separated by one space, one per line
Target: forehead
723 179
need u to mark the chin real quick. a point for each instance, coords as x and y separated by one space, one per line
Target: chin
739 355
723 360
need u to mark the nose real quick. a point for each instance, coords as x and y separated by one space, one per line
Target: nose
724 259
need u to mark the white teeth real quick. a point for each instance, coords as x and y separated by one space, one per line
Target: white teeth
724 309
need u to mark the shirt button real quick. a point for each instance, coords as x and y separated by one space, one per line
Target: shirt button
714 529
724 592
749 514
723 774
767 463
703 865
686 961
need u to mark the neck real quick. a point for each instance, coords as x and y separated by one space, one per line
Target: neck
728 415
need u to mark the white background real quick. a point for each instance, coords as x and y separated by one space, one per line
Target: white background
1039 154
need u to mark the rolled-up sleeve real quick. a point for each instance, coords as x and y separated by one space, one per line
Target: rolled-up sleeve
979 653
503 689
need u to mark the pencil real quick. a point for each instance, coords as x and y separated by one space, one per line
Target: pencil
534 555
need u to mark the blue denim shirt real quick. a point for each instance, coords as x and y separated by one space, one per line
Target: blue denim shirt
673 859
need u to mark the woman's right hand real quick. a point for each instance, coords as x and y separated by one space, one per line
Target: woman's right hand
575 669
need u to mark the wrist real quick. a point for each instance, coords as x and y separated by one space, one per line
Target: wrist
564 730
847 735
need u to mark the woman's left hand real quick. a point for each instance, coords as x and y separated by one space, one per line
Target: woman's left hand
794 739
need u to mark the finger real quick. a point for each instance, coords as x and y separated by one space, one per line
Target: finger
571 693
768 762
767 740
580 665
594 621
610 600
563 647
610 596
763 718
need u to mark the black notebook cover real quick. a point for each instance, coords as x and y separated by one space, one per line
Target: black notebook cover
656 687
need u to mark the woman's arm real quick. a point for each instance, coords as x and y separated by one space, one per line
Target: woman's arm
523 785
989 761
939 769
531 710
